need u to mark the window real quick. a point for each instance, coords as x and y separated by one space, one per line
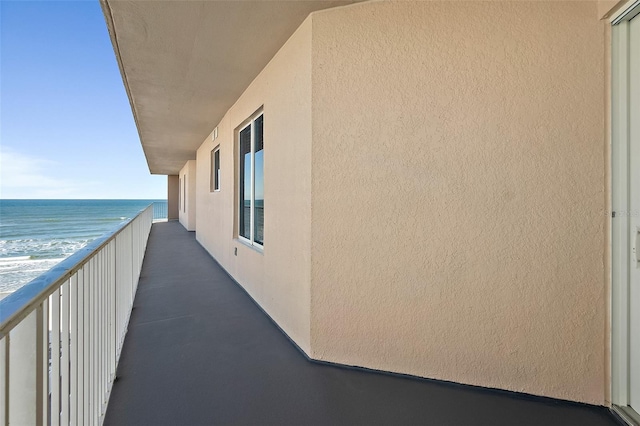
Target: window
180 194
215 169
184 193
251 182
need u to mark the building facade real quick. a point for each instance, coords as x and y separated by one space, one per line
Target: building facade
423 188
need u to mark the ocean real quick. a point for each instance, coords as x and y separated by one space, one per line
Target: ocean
37 234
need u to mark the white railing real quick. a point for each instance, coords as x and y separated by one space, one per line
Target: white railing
61 335
160 211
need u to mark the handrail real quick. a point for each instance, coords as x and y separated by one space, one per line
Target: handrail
18 305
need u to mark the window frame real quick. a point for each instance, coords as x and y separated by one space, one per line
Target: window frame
215 178
184 193
180 193
620 226
250 122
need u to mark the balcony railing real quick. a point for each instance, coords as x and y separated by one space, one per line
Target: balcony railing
160 211
61 335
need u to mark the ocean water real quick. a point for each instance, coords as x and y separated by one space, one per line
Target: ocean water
37 234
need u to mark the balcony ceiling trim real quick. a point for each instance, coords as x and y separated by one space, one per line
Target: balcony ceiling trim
184 64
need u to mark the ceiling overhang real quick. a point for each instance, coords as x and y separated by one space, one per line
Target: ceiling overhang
185 63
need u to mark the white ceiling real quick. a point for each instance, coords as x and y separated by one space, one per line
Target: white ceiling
184 63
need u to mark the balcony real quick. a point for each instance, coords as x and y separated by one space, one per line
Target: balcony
198 350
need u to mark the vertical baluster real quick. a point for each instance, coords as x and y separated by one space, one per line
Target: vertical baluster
64 356
107 293
96 339
96 353
55 358
119 292
80 348
117 295
103 283
46 357
92 340
105 327
98 383
132 254
129 273
112 308
4 380
100 393
101 332
124 282
87 345
138 252
132 267
105 307
73 349
26 377
134 246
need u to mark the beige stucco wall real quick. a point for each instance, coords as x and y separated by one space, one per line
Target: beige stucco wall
188 211
172 196
278 278
458 193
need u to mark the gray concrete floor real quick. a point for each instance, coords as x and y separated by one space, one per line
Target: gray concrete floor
200 352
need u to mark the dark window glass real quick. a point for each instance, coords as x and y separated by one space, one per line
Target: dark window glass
216 168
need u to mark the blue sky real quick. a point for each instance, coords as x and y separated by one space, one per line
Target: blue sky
66 127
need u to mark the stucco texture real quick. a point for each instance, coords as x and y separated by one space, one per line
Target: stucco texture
187 214
173 183
458 178
279 277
